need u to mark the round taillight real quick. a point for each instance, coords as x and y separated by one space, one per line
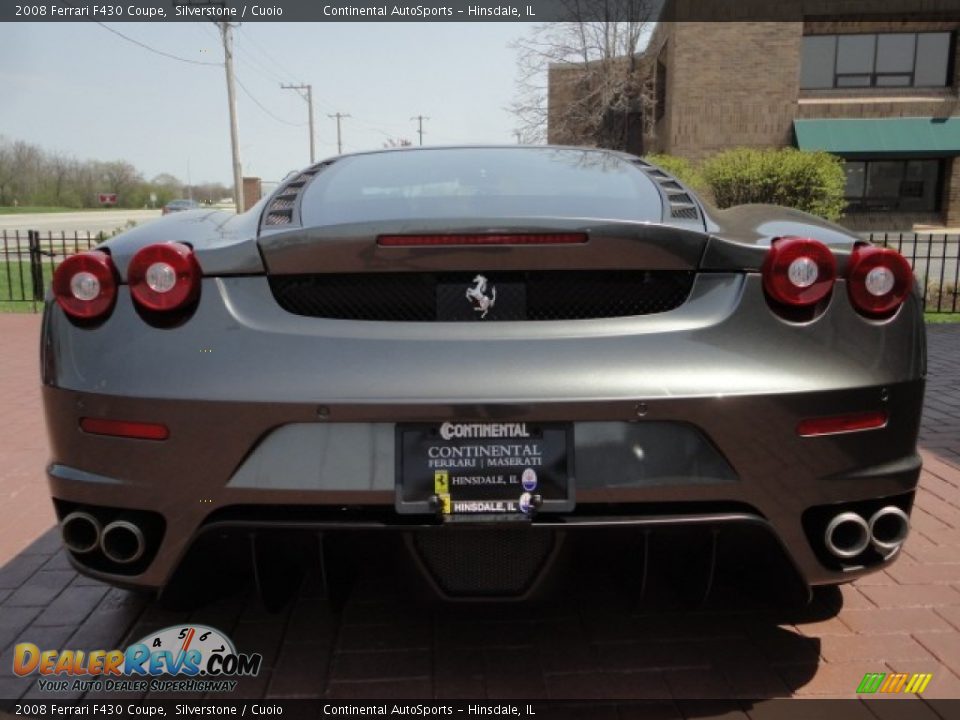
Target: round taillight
164 277
85 285
879 280
798 271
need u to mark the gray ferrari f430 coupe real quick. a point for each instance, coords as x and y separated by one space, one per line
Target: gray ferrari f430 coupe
484 352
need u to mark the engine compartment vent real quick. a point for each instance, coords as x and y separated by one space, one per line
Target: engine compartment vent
676 199
283 208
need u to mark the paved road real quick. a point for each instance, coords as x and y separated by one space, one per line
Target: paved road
93 221
595 640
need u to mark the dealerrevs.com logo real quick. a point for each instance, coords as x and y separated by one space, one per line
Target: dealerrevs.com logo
204 657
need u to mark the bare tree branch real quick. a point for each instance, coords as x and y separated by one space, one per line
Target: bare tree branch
586 77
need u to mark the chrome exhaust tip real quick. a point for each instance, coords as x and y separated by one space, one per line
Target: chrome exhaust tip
80 532
122 542
889 527
847 535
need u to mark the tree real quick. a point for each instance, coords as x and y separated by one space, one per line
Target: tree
123 179
27 162
601 83
7 172
166 180
57 171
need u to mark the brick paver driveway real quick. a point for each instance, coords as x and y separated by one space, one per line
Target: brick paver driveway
594 642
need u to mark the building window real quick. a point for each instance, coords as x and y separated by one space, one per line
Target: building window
876 60
893 185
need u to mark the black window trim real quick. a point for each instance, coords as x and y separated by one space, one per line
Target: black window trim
873 75
938 199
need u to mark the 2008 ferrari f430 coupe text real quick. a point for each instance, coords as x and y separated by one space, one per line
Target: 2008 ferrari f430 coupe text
485 349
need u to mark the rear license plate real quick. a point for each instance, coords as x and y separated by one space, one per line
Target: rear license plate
510 469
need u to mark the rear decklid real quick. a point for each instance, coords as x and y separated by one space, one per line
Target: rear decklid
455 234
332 218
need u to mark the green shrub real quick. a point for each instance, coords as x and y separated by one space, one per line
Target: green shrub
682 169
810 181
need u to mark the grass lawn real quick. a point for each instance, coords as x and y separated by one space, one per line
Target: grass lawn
31 209
940 318
15 283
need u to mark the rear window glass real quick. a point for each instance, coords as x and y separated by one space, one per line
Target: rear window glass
480 183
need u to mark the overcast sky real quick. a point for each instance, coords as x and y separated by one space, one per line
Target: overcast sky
79 89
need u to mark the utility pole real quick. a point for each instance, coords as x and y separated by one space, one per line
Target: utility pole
519 136
309 98
226 30
338 116
420 119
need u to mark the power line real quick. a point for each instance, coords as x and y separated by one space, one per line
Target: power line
158 52
258 65
260 105
263 51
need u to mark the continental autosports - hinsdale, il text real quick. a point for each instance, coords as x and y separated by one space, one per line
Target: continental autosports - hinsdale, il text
419 11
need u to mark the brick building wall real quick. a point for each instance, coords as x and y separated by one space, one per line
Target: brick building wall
738 84
732 84
251 192
719 95
951 195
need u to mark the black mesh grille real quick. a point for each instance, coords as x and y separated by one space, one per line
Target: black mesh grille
688 213
487 562
535 295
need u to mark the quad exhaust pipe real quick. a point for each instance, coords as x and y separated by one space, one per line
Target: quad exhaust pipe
122 542
848 534
81 532
888 529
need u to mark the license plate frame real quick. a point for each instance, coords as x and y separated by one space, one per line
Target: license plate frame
494 483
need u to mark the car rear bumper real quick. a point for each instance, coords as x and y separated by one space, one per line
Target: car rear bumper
698 456
268 410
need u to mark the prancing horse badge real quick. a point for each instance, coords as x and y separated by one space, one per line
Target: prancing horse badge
478 296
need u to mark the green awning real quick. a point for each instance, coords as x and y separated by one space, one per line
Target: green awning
888 136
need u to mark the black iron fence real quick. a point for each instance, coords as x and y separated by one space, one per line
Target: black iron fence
933 257
29 257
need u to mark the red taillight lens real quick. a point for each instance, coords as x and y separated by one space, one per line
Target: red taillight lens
164 277
482 239
798 271
879 280
85 285
842 424
124 428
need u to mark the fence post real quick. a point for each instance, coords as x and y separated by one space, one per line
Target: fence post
36 265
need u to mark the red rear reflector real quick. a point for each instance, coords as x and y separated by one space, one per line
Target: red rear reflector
841 424
124 428
486 239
